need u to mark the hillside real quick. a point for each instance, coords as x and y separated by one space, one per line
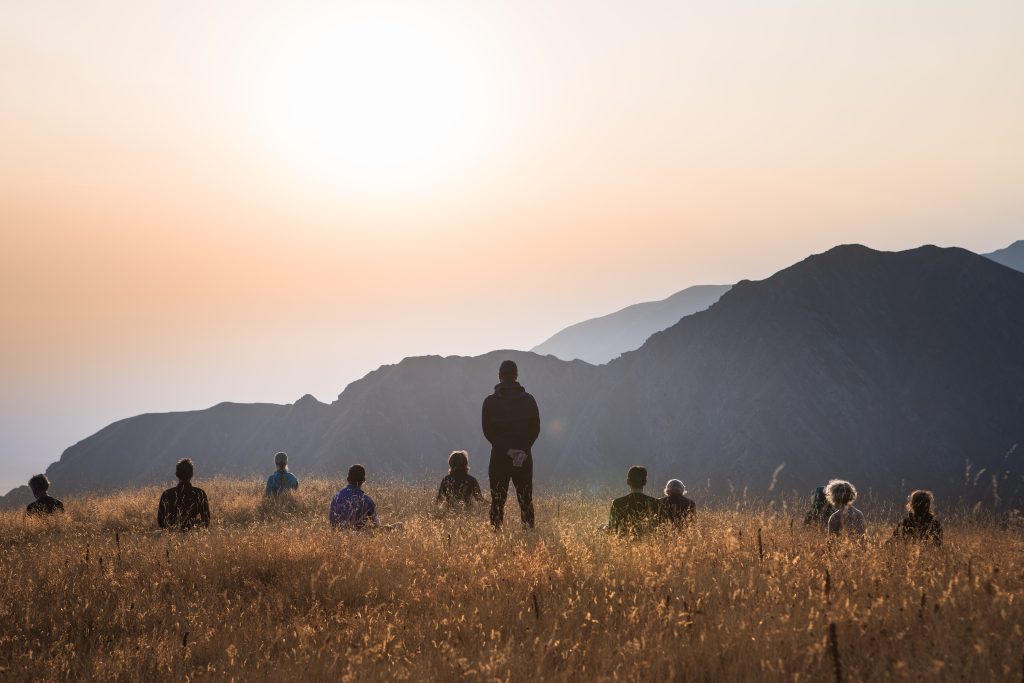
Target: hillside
401 420
894 369
599 340
1011 256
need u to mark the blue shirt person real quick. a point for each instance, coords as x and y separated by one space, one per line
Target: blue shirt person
351 507
281 481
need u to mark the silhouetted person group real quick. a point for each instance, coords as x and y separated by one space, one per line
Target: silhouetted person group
832 507
637 513
511 423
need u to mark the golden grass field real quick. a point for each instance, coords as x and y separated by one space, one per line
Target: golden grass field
274 594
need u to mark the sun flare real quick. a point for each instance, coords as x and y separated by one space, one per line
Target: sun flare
375 102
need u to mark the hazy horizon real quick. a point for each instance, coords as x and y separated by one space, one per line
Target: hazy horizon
201 204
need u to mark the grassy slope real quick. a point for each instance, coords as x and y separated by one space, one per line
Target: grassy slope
272 595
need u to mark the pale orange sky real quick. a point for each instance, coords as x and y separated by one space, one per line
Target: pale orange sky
250 203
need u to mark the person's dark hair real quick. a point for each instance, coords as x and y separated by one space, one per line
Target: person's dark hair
356 475
637 477
458 461
39 483
920 502
819 496
508 370
185 469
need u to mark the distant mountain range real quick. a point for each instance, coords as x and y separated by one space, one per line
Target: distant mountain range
599 340
893 369
1011 257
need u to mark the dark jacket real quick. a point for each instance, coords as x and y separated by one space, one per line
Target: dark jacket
636 513
183 507
919 528
458 490
677 508
510 419
46 505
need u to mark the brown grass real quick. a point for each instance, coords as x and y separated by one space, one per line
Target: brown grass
272 594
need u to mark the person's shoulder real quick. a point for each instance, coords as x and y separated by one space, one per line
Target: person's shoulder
199 492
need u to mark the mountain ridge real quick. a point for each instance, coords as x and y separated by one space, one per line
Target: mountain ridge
892 368
601 339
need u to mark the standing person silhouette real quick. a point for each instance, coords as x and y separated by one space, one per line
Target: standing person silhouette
511 423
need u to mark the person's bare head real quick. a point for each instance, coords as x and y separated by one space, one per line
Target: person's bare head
39 485
185 470
281 461
675 487
840 493
458 461
636 477
921 503
508 371
356 475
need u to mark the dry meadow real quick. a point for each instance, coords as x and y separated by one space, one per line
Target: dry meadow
272 593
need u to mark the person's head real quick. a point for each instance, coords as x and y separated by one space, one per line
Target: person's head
356 475
185 469
674 487
508 371
920 503
840 493
39 485
819 496
458 461
636 477
281 461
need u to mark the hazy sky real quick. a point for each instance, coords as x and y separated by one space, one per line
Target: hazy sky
252 201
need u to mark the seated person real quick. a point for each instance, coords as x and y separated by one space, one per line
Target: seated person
636 513
920 523
459 489
847 521
183 507
281 481
44 504
675 506
820 510
352 509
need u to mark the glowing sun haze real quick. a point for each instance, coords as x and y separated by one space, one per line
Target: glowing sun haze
240 201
